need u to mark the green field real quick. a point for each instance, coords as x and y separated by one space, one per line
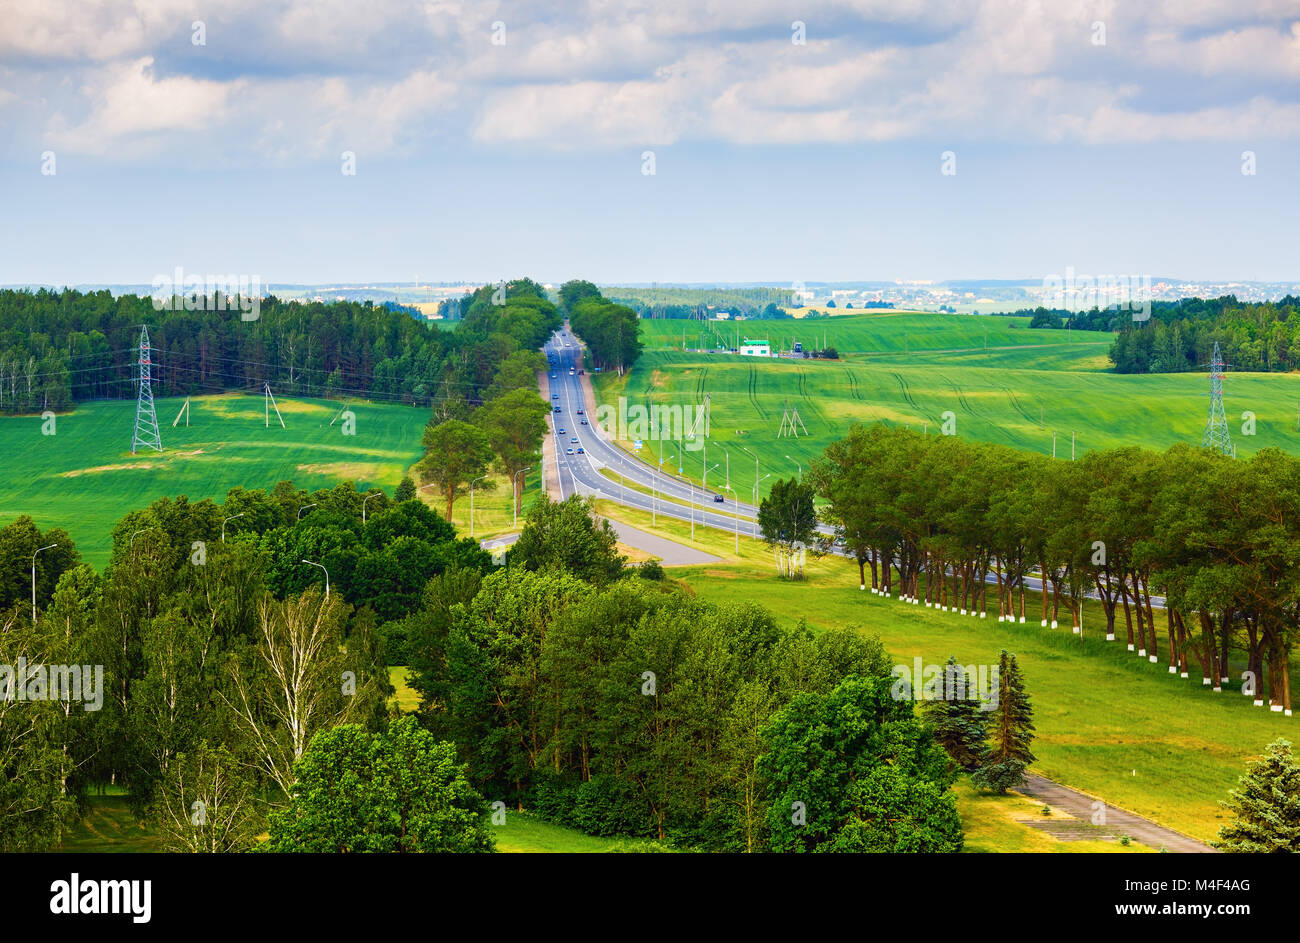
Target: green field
1108 723
911 369
84 478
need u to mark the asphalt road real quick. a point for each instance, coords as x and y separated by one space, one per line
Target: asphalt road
580 474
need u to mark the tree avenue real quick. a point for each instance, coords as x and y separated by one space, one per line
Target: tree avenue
962 526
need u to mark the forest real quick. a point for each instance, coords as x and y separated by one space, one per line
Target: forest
58 348
245 675
1180 335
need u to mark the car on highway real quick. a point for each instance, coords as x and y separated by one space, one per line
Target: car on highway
557 409
580 452
579 412
555 396
573 439
584 422
560 431
717 499
552 376
568 451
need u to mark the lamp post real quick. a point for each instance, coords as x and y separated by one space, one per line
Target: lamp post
471 503
230 518
755 458
305 507
327 576
515 503
39 550
797 465
756 484
735 516
728 464
363 506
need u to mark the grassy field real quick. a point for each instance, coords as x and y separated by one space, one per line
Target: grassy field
1107 722
84 478
912 369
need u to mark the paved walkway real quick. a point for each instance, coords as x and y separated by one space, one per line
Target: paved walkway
1118 822
669 551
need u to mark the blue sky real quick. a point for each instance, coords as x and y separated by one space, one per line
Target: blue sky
774 160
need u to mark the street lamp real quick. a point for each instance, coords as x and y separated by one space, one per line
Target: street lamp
230 518
728 455
756 484
515 503
305 507
327 576
797 465
735 513
471 503
39 550
363 505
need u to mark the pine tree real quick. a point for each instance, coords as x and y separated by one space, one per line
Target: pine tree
1265 805
1004 766
405 490
960 723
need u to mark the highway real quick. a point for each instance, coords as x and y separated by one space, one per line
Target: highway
580 474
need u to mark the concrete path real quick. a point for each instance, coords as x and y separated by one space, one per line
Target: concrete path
670 552
1117 821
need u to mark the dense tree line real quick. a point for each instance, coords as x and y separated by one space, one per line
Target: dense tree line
1255 337
240 696
221 659
959 526
610 331
623 707
62 347
757 302
1180 335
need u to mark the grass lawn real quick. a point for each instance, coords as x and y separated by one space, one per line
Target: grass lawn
911 369
84 478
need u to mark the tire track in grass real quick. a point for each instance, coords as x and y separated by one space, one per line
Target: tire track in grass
753 392
907 393
1018 406
853 383
961 398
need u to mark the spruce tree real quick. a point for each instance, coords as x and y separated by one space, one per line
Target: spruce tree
1013 727
960 724
405 490
1265 805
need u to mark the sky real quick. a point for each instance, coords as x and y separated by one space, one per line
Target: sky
797 140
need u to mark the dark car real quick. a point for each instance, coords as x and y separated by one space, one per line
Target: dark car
580 450
561 432
584 422
717 499
580 412
557 409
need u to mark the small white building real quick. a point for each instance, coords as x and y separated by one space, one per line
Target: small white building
755 349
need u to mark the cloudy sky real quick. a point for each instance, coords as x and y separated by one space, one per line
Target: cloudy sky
491 139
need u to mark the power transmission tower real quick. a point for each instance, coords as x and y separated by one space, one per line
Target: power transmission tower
146 420
790 421
1216 426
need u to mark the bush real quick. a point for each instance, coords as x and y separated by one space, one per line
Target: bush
651 570
606 807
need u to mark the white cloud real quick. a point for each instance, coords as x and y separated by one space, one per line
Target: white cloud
301 78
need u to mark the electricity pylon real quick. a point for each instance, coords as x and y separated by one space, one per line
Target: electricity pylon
1216 426
146 420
